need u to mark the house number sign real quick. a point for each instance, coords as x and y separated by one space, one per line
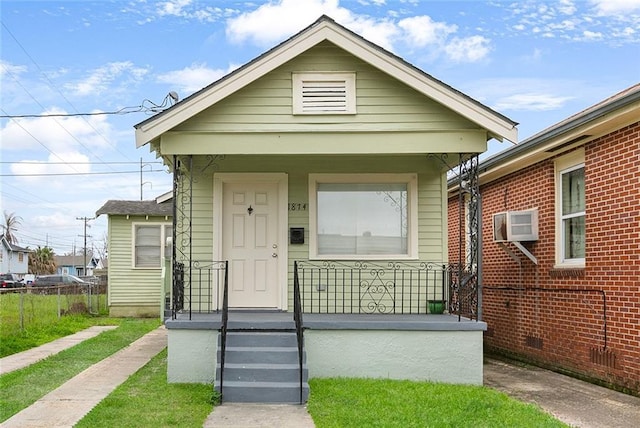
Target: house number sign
296 206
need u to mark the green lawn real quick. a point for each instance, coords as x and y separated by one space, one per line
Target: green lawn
23 387
402 404
28 320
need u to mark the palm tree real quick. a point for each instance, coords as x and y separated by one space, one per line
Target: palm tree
41 261
10 226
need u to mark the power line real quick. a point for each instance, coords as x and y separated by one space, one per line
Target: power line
78 163
78 173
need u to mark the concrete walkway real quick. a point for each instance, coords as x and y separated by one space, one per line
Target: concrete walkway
251 415
23 359
66 405
574 402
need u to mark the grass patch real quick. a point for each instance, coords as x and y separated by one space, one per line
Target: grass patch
29 320
392 403
147 400
23 387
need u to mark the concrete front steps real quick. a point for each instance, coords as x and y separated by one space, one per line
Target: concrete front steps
262 367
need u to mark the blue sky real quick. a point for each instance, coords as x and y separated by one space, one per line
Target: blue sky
535 62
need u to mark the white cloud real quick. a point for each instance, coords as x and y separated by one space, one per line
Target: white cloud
615 7
531 101
591 35
468 49
193 78
100 79
420 31
8 68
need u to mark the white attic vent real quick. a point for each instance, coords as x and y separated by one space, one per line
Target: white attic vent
324 93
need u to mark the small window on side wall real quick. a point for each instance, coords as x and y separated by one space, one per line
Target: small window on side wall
149 243
324 93
372 216
570 211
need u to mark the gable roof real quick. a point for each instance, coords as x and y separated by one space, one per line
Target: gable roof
115 207
325 28
12 247
613 113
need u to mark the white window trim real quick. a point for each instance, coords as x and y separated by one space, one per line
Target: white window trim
567 163
412 210
349 79
163 241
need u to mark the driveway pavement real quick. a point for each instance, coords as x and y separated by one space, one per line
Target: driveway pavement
577 403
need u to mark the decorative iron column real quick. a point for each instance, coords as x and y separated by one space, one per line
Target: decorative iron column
466 290
182 230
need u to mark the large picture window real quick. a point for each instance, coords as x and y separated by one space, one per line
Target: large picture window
149 242
570 210
363 216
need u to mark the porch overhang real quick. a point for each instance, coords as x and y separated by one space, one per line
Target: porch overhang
320 143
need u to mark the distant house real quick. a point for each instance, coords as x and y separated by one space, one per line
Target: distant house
75 264
561 244
316 174
138 246
13 258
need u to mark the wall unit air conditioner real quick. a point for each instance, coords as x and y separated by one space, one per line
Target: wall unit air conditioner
515 226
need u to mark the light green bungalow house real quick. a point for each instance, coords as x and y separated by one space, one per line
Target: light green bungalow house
138 247
311 221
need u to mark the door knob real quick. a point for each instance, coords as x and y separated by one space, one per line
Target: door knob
274 255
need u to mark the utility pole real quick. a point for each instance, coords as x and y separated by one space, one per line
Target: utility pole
142 183
86 224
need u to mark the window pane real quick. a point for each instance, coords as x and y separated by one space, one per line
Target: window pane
147 246
574 238
362 218
573 191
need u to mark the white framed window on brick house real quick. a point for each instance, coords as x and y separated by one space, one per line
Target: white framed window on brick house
324 93
363 216
570 210
149 243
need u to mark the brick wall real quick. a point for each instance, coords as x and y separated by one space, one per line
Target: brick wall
556 317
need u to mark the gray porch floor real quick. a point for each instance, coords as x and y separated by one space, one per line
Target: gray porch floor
276 320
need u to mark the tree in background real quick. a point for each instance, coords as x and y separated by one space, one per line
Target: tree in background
10 226
41 261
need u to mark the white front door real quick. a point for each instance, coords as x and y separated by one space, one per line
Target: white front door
250 242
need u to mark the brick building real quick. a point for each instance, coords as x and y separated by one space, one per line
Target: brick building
568 299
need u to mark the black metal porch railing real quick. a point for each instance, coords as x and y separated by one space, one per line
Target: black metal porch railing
360 287
297 317
224 326
197 287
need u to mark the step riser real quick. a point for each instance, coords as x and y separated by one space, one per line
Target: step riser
245 394
262 375
268 340
257 356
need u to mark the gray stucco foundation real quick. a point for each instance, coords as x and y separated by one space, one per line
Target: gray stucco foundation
437 348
